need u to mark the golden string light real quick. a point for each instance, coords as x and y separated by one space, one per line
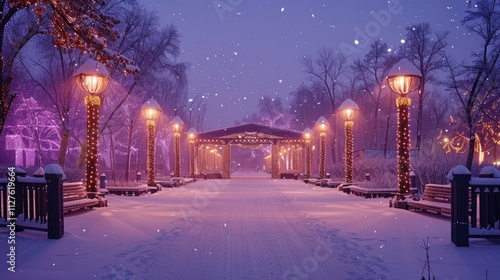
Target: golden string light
177 154
151 158
176 125
322 153
349 150
403 104
93 104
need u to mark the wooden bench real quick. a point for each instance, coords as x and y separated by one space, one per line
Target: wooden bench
75 197
129 191
372 192
311 180
437 198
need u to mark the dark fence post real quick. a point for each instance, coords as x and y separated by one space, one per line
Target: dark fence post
459 205
53 175
102 181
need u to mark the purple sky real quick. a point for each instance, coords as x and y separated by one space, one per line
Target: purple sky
247 49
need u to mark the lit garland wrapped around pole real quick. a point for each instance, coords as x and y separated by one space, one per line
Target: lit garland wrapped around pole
93 78
403 104
192 150
307 136
226 161
176 125
151 111
403 78
322 125
348 110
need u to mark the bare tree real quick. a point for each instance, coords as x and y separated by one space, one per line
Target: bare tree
371 71
473 84
78 24
328 68
307 104
52 71
155 51
272 112
438 110
425 50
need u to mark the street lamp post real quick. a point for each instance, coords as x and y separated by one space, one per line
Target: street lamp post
151 111
192 149
403 78
348 110
307 136
93 78
322 125
176 125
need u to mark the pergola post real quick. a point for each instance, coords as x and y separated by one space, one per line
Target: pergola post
226 161
296 161
275 152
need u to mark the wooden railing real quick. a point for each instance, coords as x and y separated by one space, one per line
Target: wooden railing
485 204
475 207
33 203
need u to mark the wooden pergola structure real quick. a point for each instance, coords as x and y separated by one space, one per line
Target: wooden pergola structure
211 150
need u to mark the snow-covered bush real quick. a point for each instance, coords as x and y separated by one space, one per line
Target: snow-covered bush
428 168
433 167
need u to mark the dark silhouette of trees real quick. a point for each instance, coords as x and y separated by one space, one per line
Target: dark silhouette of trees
475 84
328 68
425 50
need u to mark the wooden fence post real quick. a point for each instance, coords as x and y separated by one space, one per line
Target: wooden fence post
459 205
55 221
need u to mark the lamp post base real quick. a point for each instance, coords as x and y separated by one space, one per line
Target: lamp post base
400 200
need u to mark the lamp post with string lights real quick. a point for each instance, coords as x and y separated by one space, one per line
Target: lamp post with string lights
151 110
176 125
93 78
322 125
348 110
403 78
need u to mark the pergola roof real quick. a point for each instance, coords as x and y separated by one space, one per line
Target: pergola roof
250 130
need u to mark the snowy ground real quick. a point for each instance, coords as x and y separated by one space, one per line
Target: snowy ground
248 228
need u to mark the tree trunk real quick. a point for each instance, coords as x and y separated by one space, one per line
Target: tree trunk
419 116
472 142
63 148
374 143
112 156
129 146
5 99
388 126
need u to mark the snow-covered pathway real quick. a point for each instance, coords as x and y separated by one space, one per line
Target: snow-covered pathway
249 228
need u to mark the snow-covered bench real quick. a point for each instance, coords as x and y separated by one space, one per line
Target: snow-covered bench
128 190
75 197
372 192
437 198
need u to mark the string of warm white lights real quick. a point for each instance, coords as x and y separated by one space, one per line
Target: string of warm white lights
151 158
322 155
192 150
308 158
93 104
177 154
403 104
349 150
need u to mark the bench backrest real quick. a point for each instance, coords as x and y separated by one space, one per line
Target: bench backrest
437 193
73 191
